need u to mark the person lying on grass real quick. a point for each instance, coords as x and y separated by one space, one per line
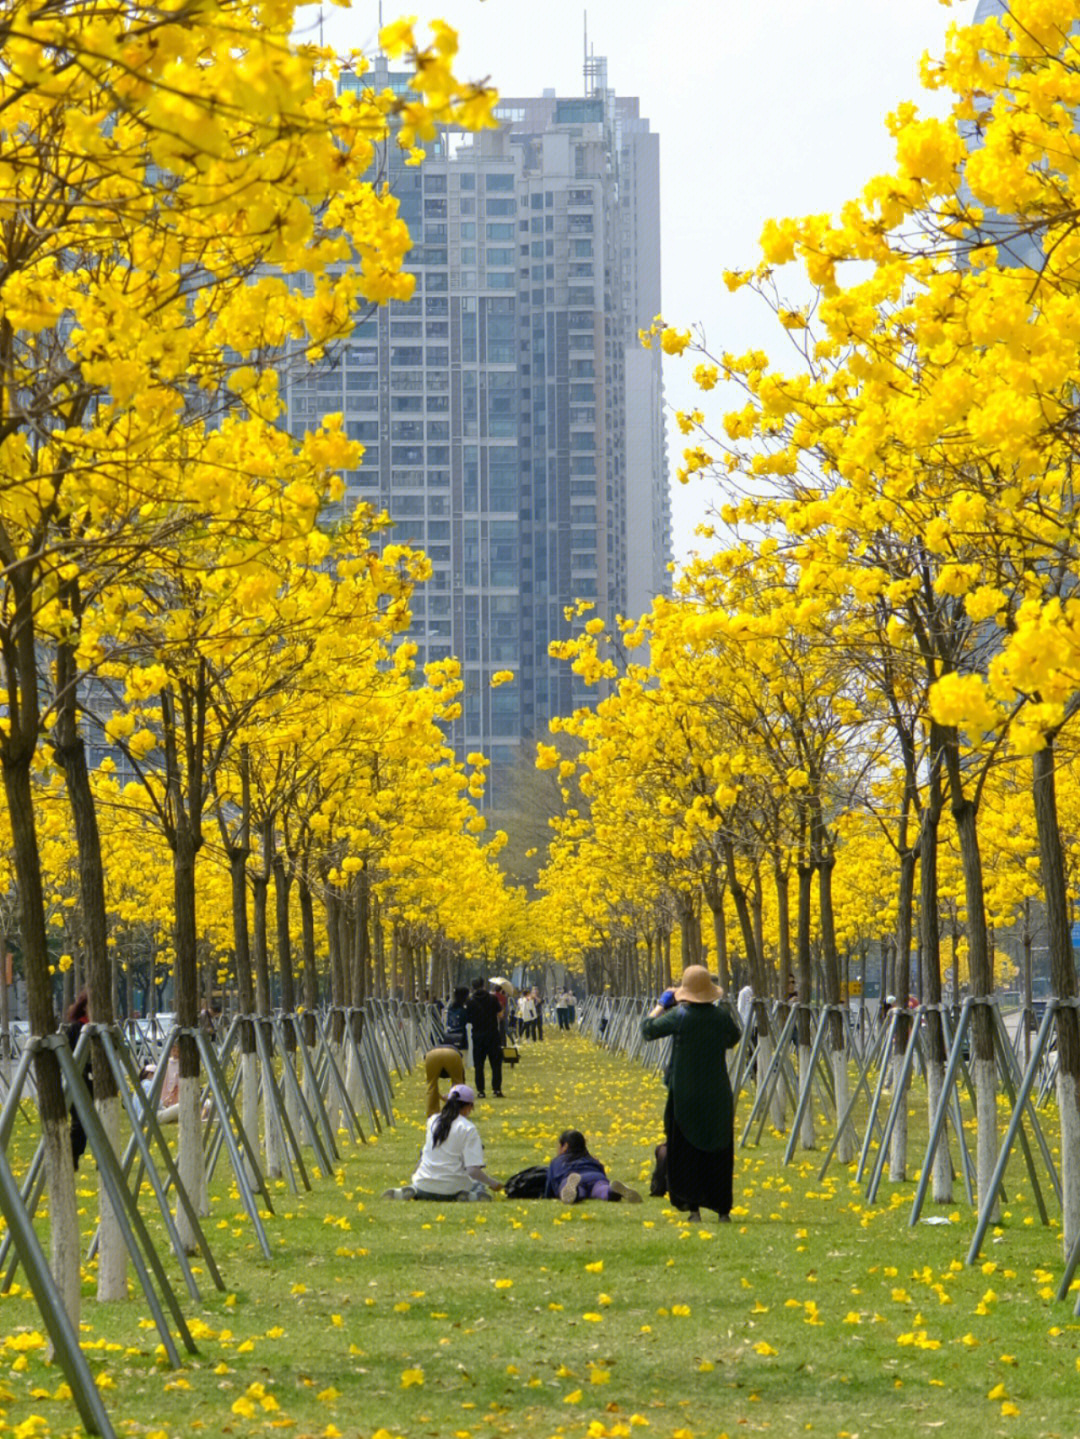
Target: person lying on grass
574 1174
452 1161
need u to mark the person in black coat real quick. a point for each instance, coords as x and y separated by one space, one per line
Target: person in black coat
483 1014
700 1116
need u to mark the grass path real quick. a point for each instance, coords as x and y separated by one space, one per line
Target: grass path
812 1313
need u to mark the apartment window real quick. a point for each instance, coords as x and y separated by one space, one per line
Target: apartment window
503 554
499 207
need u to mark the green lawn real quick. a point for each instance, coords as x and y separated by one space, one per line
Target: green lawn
812 1313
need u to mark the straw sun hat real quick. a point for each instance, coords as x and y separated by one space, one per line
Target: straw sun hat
696 986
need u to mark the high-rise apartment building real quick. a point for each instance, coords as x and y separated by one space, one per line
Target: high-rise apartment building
513 423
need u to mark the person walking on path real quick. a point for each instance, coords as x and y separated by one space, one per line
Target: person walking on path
483 1014
527 1016
699 1120
538 1005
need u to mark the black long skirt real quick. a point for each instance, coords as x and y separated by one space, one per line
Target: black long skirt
697 1178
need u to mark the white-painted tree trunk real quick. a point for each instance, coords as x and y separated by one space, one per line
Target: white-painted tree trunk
272 1135
249 1080
308 1083
942 1166
807 1130
845 1147
352 1079
63 1215
898 1145
1069 1104
292 1103
112 1251
984 1074
335 1112
191 1162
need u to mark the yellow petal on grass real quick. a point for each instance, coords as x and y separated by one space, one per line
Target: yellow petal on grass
574 1397
409 1377
504 1284
766 1349
998 1392
597 1268
600 1376
1009 1410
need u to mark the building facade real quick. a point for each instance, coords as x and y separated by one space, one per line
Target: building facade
513 423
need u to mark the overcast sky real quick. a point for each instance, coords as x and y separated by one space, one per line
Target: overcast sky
764 108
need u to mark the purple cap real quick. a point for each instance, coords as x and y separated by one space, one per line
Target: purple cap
463 1094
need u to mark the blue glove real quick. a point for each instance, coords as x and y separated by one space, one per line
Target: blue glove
667 999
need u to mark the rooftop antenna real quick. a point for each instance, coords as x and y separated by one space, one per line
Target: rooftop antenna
585 69
320 27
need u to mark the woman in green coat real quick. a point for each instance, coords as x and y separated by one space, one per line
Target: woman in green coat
699 1121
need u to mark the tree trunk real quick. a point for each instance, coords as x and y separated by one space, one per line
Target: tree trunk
1063 984
71 753
714 897
782 882
282 884
846 1147
930 934
190 1135
984 1067
311 964
805 874
56 1137
898 1148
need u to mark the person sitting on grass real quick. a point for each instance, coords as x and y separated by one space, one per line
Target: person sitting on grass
574 1174
452 1161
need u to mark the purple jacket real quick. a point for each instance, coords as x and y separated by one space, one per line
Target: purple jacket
564 1164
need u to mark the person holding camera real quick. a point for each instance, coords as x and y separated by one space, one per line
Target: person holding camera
699 1120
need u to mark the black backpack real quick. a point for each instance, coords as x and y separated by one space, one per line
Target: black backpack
527 1183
